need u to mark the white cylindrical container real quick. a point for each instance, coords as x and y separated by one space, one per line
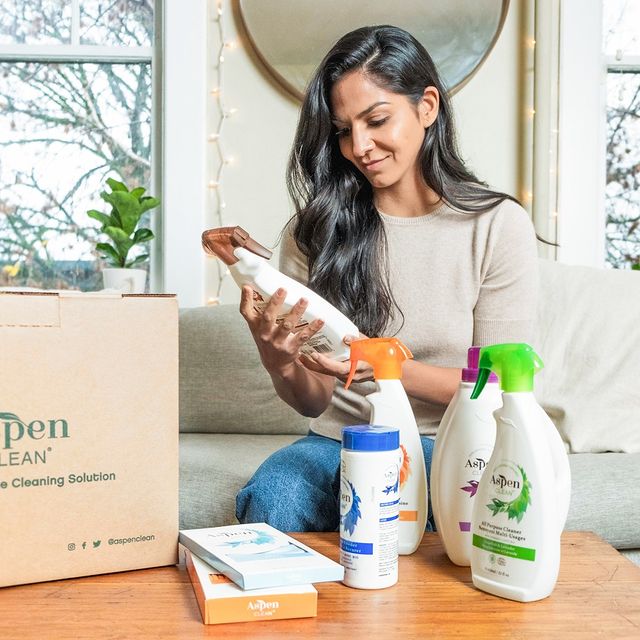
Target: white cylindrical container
369 506
461 452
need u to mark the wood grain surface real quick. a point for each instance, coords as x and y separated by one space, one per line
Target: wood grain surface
597 596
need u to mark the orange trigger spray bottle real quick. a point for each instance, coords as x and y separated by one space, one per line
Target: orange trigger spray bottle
390 408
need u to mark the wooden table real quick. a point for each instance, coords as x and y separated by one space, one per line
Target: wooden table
597 596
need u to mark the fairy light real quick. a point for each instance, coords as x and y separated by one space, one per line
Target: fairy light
216 184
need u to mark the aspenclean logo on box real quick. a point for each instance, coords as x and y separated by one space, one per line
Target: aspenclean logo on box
16 433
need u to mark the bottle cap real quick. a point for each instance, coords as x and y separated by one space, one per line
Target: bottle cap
370 437
470 372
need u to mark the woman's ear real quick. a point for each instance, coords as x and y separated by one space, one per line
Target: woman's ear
429 106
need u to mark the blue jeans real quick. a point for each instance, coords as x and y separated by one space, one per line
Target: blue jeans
297 488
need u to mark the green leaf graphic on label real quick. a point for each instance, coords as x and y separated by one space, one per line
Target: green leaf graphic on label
515 508
10 416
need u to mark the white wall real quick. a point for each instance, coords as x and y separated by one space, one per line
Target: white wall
259 135
489 111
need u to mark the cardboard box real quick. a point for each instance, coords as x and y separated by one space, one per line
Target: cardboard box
88 434
220 600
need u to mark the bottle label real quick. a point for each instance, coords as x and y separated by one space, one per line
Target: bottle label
467 482
499 532
319 342
369 507
511 491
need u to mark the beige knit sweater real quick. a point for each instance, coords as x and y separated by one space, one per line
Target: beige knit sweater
461 279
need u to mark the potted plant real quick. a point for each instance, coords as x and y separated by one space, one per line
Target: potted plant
121 225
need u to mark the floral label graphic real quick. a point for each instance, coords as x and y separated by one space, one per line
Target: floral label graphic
471 488
512 489
252 545
349 507
392 480
405 469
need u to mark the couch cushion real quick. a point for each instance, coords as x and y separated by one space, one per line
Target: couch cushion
213 468
223 386
588 335
604 497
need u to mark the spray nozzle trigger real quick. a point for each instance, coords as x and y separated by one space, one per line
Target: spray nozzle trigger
222 241
514 364
386 355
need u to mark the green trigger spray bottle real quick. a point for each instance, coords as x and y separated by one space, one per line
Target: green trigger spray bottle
523 497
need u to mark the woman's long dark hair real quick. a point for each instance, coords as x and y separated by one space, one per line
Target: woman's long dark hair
337 226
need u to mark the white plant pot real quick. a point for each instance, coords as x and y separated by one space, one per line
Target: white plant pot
125 280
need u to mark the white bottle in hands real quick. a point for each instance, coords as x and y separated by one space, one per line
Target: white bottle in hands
461 452
523 498
248 264
390 408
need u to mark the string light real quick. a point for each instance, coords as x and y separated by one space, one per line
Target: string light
224 160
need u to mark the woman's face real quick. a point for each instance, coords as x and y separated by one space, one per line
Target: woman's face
380 132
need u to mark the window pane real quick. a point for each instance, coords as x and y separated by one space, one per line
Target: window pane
35 21
65 128
117 22
621 31
623 169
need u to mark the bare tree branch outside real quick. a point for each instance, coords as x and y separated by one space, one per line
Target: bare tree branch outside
623 170
622 192
65 128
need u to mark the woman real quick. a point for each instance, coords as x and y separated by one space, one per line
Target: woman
398 234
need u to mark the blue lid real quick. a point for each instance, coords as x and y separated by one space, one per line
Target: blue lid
369 437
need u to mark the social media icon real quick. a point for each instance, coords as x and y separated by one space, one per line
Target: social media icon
71 546
84 545
96 543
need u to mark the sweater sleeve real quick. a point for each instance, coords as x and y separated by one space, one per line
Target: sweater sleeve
507 299
292 262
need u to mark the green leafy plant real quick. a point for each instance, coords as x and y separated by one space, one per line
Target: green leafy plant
127 208
515 508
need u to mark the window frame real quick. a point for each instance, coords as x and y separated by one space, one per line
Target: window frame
88 53
618 63
581 158
185 68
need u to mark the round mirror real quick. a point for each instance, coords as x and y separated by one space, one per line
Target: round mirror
292 36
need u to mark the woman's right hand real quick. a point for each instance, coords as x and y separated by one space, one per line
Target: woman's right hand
278 344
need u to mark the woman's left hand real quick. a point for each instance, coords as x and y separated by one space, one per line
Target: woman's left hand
321 364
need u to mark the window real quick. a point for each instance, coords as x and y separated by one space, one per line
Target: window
621 25
76 88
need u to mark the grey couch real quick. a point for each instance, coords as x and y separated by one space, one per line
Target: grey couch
231 419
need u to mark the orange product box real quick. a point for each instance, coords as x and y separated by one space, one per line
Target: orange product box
220 600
